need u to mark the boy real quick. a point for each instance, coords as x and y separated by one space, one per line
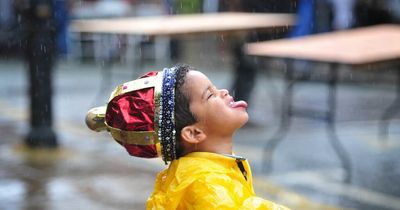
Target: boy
180 115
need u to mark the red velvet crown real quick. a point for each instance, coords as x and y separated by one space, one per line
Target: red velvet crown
132 114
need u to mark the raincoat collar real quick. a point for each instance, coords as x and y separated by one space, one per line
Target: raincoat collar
216 156
223 159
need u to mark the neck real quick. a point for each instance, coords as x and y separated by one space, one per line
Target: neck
215 145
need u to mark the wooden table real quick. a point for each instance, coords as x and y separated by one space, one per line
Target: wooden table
185 24
355 47
229 23
182 25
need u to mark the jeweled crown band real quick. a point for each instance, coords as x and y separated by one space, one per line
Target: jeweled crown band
166 132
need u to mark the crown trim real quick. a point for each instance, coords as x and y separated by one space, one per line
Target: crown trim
142 83
134 137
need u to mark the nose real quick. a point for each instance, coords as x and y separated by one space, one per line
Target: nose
224 92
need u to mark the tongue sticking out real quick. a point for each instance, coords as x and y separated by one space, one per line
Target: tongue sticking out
237 104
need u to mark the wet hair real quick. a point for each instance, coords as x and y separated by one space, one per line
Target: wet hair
183 116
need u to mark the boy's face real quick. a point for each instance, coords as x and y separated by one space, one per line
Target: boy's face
216 111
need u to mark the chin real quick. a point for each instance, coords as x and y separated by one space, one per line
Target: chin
244 120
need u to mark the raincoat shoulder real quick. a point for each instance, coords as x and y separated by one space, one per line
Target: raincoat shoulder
195 182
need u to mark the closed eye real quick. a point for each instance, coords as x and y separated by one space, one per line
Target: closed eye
211 90
210 96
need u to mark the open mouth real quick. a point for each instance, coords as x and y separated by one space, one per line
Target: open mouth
238 104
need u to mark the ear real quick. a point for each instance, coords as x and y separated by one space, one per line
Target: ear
192 134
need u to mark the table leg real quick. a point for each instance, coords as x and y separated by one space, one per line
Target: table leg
391 111
288 112
334 140
285 122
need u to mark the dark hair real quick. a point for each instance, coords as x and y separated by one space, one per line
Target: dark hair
183 115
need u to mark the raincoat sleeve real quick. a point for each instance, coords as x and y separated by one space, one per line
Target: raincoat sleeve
221 192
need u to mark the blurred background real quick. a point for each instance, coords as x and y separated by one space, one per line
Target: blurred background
50 76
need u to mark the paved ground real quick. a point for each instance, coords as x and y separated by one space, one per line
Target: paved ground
90 171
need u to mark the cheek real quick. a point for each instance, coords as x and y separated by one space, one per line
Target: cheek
219 112
223 113
206 113
197 110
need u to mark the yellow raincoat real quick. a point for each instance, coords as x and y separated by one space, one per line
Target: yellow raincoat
203 180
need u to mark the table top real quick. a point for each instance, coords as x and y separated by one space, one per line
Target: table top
355 46
184 24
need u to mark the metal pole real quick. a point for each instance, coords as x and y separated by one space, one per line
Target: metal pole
391 111
334 139
40 52
286 118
